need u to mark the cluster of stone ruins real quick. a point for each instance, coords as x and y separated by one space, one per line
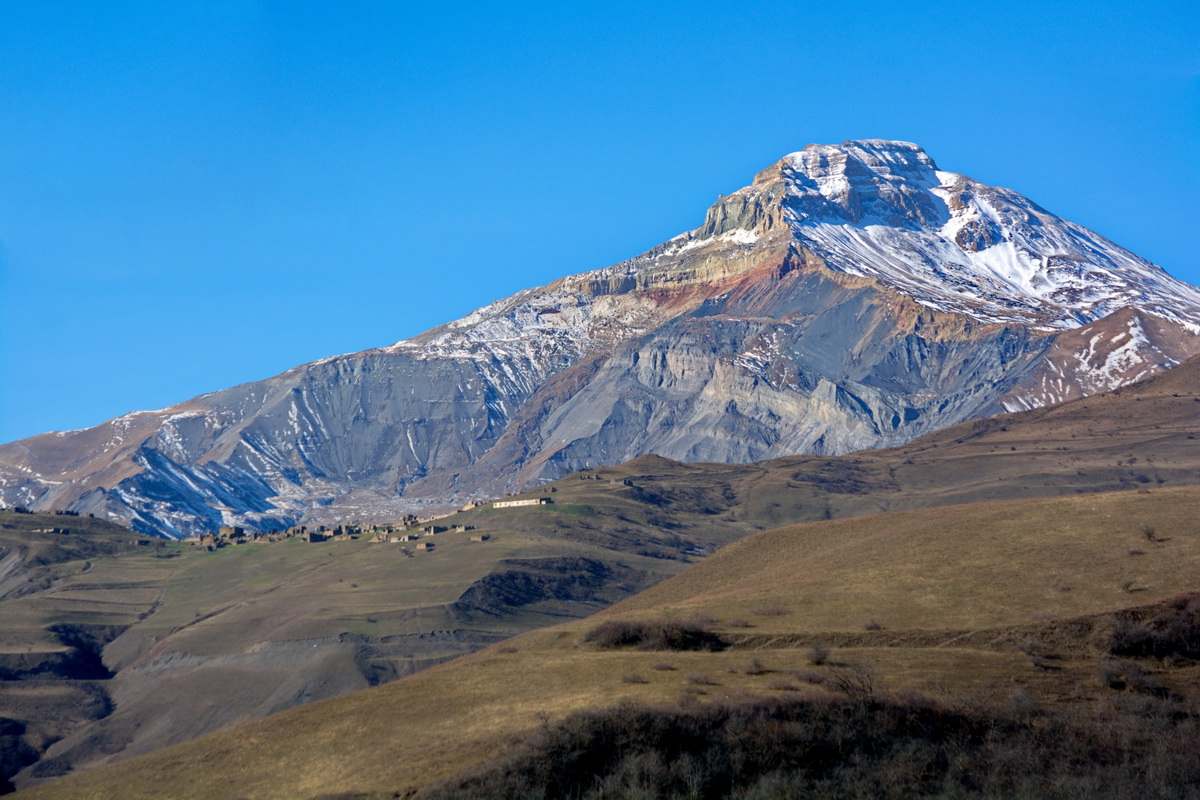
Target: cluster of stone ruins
409 529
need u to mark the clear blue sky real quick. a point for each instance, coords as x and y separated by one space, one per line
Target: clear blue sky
193 195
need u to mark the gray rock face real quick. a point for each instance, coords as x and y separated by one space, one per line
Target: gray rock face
851 297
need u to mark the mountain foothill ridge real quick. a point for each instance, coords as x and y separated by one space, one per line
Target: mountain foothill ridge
852 296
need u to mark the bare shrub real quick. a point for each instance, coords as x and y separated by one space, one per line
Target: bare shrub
1127 585
632 677
663 666
700 679
507 649
1127 638
1188 601
829 747
782 685
662 635
872 625
1136 552
807 676
752 667
1039 661
1021 703
1121 674
739 623
816 654
853 680
1062 586
1111 674
1144 684
1172 633
1150 533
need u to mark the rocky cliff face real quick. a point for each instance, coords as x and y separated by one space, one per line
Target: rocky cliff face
852 296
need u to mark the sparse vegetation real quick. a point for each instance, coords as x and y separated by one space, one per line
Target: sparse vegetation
902 746
817 654
752 667
1172 633
853 680
1119 674
808 676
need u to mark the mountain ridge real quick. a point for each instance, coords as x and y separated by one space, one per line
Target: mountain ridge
820 309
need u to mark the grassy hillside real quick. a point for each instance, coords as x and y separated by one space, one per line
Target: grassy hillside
975 601
180 641
61 599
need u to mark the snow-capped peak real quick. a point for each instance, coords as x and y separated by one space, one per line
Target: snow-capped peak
868 207
884 209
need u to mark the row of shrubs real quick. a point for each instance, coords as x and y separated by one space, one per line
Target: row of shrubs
655 635
904 746
1172 633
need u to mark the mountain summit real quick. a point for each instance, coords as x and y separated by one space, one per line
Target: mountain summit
883 209
852 296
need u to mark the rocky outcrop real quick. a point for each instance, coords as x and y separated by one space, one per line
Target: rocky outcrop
852 296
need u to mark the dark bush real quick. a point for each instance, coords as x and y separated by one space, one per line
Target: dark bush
1124 674
817 654
662 635
1172 633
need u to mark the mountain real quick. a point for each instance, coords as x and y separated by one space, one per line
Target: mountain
852 296
110 649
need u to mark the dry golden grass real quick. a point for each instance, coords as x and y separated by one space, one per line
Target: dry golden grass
958 567
955 590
